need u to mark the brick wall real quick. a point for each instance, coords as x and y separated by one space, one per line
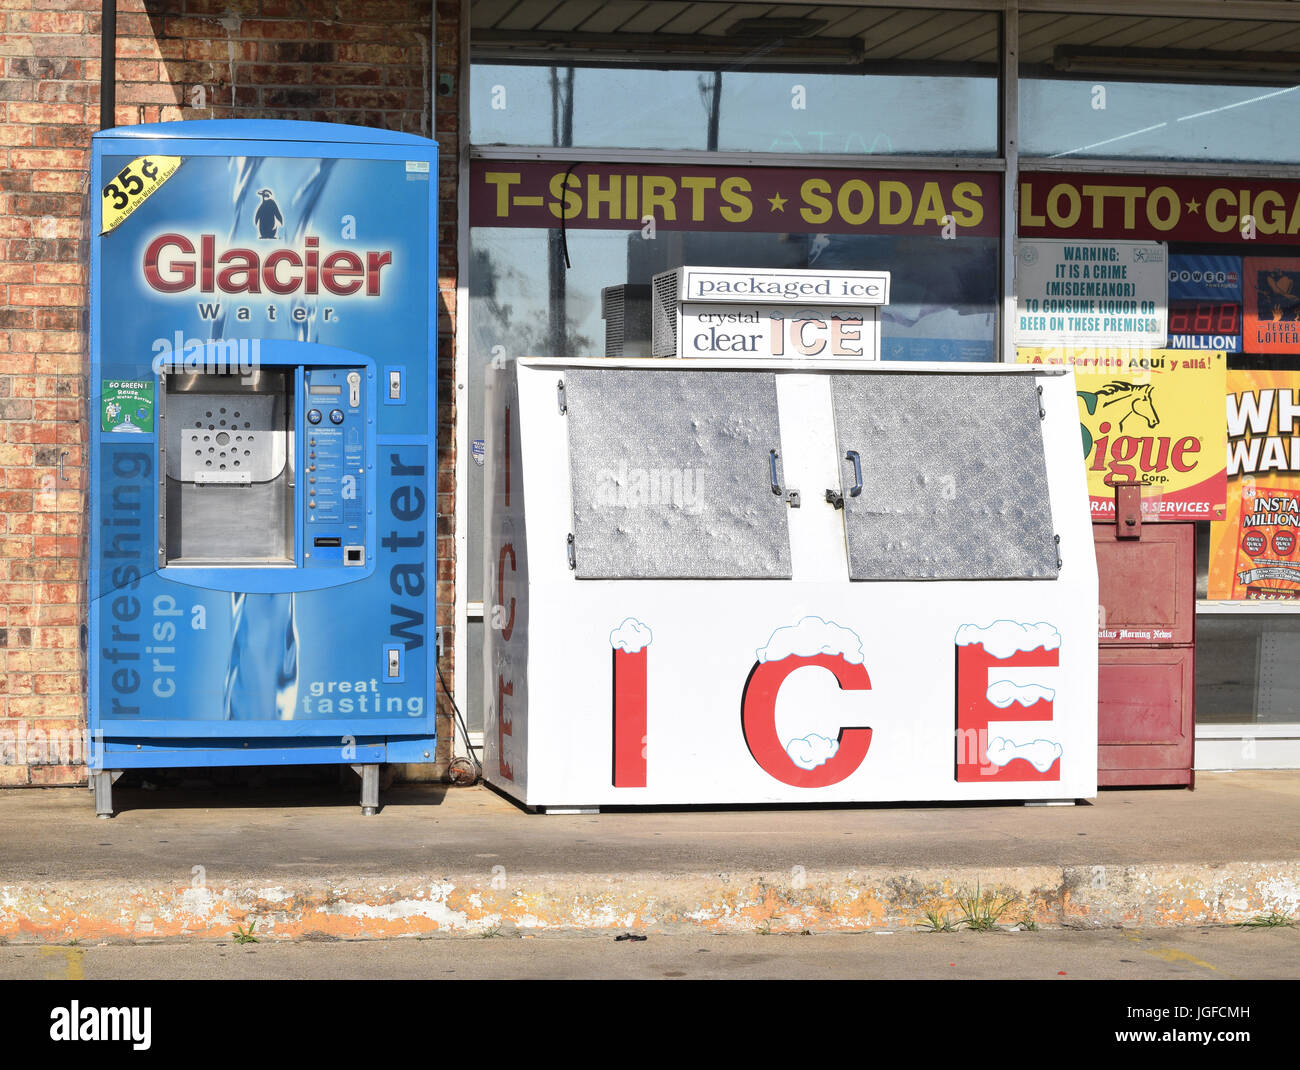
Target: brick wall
49 93
367 62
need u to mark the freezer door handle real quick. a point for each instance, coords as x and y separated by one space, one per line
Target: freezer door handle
855 457
792 496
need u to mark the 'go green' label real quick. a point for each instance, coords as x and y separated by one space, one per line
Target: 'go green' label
126 405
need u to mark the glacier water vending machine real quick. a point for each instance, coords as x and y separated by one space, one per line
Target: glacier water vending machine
262 448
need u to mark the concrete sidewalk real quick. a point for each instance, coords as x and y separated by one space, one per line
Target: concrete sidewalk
303 863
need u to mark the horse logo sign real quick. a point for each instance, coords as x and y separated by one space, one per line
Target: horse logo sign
1128 399
1154 417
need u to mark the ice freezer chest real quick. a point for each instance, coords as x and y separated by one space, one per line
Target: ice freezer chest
262 447
739 582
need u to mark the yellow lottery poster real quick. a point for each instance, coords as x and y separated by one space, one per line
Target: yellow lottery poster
1151 415
1253 551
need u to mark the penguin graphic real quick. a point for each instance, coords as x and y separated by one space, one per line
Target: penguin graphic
267 217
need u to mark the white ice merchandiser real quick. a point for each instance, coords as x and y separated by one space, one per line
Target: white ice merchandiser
763 580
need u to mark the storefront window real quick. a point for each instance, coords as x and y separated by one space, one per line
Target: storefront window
1158 89
882 81
1247 668
649 109
646 81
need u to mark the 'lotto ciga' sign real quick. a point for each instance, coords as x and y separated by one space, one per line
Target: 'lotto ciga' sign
742 312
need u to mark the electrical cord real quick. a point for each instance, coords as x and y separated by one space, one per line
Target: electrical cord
469 747
564 216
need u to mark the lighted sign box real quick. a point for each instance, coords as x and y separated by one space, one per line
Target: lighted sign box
739 312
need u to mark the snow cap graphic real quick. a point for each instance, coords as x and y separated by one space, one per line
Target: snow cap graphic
1003 638
1041 753
631 635
812 636
812 750
1003 692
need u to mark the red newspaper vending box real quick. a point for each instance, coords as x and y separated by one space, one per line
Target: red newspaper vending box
1146 631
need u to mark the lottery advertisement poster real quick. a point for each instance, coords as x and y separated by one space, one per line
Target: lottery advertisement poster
1271 304
1253 551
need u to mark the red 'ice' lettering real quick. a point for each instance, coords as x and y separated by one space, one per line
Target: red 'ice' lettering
630 720
975 711
504 727
758 716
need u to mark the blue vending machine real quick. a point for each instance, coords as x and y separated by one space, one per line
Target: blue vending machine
263 448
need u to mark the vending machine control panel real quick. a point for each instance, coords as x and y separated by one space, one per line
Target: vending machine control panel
335 471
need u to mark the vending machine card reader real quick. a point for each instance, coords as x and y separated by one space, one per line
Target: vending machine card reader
263 448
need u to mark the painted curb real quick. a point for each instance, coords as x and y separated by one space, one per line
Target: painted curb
825 901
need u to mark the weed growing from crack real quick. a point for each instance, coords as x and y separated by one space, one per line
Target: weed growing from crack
982 910
1272 920
936 922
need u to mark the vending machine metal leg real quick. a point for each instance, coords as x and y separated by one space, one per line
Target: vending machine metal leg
369 775
103 785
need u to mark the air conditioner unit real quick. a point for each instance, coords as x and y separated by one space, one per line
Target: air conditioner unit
626 312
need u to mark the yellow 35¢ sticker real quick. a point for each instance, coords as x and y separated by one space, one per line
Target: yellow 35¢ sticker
132 186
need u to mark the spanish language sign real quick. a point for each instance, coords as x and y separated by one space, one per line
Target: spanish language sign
1095 293
1151 416
1087 207
775 200
1253 553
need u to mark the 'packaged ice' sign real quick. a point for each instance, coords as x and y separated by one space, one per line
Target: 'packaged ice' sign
740 312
